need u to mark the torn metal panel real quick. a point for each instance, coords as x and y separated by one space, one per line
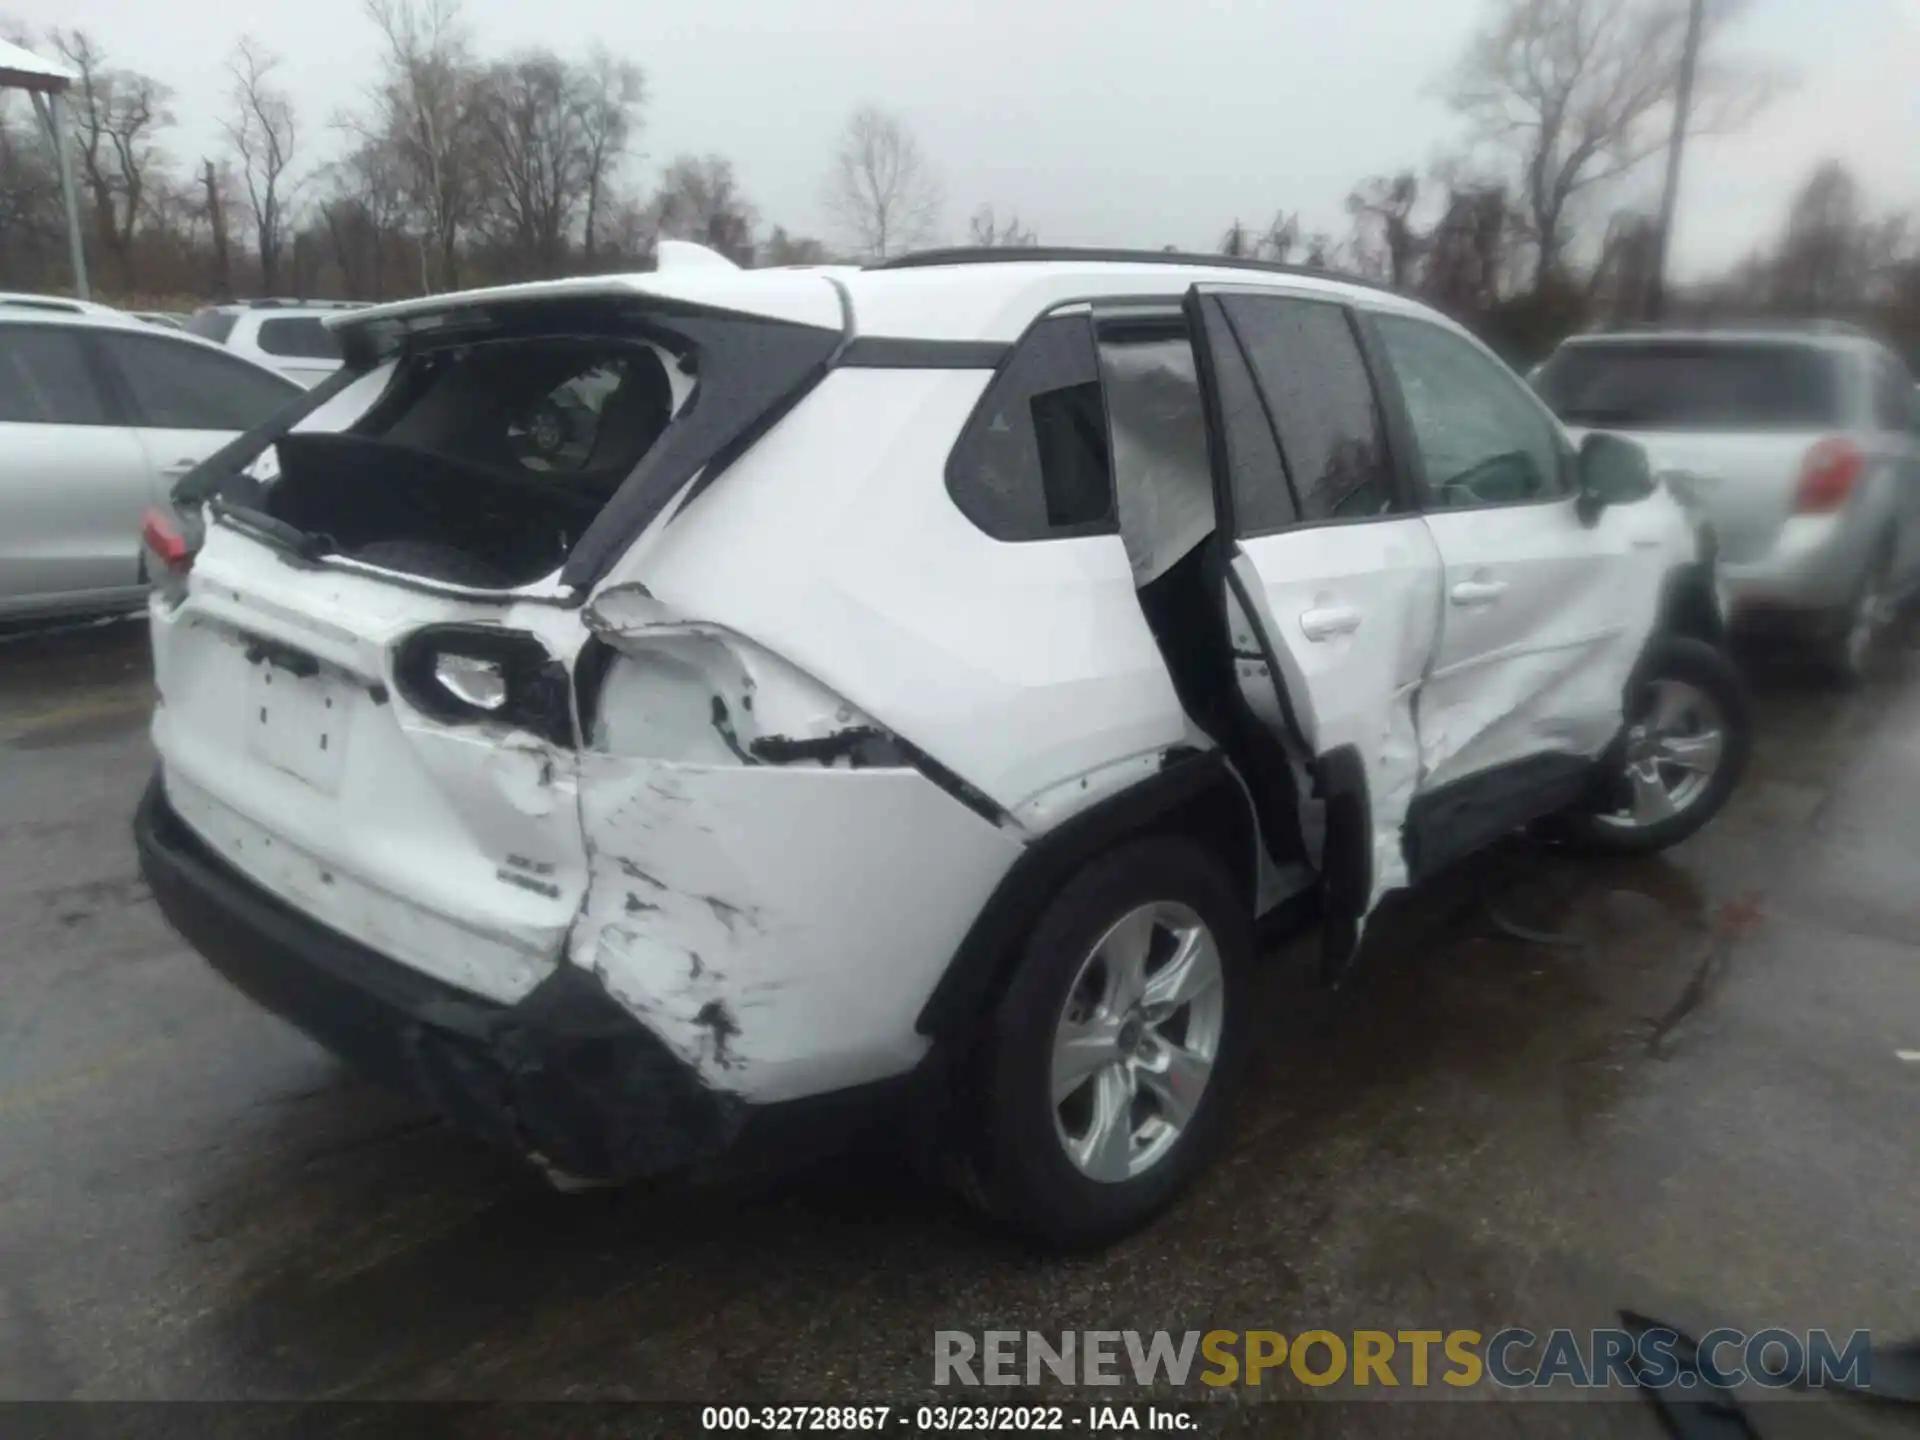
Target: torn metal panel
774 925
834 544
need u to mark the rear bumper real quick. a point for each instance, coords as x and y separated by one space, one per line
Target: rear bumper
1808 577
565 1075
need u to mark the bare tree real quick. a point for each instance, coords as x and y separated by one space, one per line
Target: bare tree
615 91
427 109
987 231
1385 239
882 191
1275 243
1569 94
700 200
534 154
364 214
784 249
213 190
116 116
263 135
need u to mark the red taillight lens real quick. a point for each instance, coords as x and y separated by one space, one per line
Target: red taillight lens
164 542
1827 477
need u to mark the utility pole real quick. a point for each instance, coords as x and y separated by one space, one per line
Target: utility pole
1676 145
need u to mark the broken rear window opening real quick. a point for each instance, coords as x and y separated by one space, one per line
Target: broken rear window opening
510 443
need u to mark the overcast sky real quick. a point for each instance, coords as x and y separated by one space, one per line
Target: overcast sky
1121 122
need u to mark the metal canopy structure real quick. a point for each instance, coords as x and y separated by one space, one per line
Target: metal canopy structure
46 84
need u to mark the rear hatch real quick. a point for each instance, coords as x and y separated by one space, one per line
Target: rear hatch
1731 422
364 652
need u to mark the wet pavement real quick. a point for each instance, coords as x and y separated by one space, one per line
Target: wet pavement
1555 1088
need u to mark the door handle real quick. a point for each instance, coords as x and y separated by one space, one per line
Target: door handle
1479 592
1326 621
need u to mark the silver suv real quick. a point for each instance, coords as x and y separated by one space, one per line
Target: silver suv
1800 444
290 336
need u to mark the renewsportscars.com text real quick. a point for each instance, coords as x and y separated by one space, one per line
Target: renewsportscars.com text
1511 1358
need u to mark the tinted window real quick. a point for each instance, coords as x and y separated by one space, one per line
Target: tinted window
44 378
1162 483
1693 385
1307 364
1262 497
1032 462
214 325
1483 439
175 385
301 337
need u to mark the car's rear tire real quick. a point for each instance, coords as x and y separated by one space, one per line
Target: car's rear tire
1689 734
1102 1081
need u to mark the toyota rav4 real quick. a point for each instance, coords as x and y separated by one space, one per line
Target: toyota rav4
892 691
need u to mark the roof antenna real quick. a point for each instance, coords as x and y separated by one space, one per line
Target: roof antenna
685 255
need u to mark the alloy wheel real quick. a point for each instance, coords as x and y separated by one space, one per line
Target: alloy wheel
1673 753
1135 1046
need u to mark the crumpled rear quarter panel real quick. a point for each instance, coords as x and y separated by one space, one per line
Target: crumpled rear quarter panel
779 927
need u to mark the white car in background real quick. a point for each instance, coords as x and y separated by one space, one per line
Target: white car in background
101 414
290 336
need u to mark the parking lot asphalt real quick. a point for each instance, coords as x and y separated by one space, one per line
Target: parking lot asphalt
1554 1088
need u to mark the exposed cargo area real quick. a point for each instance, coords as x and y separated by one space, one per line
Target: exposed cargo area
481 464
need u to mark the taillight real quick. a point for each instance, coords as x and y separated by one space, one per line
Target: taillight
164 541
1827 477
170 554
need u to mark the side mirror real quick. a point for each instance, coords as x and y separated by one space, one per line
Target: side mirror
1613 471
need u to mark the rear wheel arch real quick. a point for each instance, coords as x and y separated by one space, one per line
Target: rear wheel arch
1196 796
1689 608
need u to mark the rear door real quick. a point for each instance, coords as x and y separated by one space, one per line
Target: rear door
1333 579
73 478
186 400
1545 613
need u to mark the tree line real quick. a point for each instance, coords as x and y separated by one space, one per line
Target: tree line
458 169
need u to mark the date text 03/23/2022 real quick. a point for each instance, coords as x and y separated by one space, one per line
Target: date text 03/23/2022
941 1419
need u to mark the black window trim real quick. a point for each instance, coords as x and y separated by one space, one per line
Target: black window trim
1405 483
114 412
1388 384
1110 524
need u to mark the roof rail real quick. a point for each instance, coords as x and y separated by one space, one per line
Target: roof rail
1010 254
60 304
289 302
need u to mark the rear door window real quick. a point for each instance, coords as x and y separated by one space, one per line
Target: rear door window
298 337
177 385
1314 389
45 379
1032 462
1694 385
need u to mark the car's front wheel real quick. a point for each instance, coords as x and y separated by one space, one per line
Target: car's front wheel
1105 1072
1689 732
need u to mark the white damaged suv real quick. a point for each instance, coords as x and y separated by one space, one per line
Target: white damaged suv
650 716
